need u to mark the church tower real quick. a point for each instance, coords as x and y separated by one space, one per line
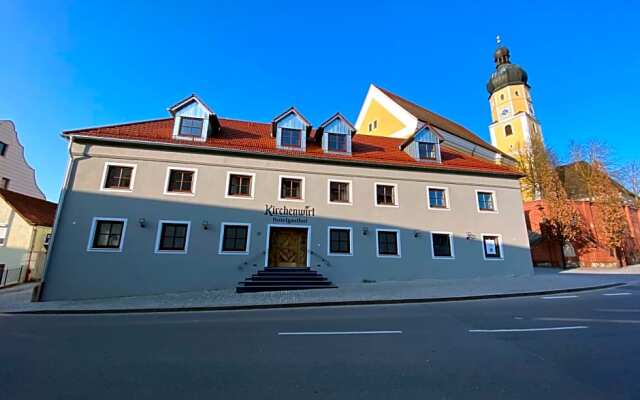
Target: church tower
513 120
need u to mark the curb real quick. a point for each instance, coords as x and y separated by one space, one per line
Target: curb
314 304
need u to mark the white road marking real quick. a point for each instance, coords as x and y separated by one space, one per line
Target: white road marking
341 333
617 294
555 328
559 297
617 310
613 321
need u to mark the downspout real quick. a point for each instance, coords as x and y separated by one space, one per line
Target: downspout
33 239
38 290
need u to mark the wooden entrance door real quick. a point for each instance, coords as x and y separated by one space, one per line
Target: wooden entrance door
288 247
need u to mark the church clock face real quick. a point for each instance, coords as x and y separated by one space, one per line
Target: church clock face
505 113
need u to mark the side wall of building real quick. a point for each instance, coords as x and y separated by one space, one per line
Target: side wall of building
13 165
15 250
74 272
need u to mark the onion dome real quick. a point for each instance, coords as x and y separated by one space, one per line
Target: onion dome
506 73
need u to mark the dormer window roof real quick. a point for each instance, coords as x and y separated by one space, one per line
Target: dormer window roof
424 144
194 119
291 130
335 134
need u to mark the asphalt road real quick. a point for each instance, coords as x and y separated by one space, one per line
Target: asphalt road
487 349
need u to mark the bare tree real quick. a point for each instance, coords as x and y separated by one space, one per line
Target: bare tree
631 179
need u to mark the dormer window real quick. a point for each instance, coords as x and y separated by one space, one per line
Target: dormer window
427 151
191 127
337 142
290 137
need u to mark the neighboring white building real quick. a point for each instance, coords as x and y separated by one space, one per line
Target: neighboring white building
15 173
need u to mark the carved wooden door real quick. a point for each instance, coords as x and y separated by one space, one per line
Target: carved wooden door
288 247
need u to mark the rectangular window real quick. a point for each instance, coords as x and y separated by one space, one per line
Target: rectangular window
385 195
339 192
191 127
290 189
107 234
235 238
118 177
337 142
240 185
442 246
438 198
4 230
492 245
485 201
290 137
173 236
388 243
3 148
427 151
5 183
339 241
180 181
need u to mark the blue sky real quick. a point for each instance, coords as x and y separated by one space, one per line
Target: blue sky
74 64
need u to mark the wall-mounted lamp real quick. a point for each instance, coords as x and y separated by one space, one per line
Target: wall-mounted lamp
470 236
416 234
142 222
365 230
205 225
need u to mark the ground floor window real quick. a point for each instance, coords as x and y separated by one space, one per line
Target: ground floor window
339 241
107 234
442 245
388 242
173 236
235 238
492 247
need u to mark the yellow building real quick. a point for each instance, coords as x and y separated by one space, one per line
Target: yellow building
25 224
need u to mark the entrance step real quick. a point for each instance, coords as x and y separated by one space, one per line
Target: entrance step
272 279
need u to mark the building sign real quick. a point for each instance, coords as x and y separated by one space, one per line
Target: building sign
490 246
289 215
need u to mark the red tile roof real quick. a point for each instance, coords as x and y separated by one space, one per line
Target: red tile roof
255 138
35 211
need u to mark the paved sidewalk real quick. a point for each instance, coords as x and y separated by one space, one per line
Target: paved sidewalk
544 281
628 270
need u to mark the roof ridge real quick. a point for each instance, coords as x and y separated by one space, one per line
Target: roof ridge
143 121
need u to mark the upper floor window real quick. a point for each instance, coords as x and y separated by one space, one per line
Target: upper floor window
339 192
5 183
427 151
107 234
337 142
191 127
240 185
438 198
118 177
373 125
486 201
508 131
181 181
291 137
291 188
3 148
386 195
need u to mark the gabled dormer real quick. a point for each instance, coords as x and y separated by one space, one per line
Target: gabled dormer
335 134
424 145
193 119
290 129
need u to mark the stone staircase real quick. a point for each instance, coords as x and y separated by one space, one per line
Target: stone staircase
271 279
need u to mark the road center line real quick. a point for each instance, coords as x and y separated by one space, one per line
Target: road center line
617 294
340 333
555 328
613 321
559 297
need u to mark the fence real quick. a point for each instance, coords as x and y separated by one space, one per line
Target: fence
10 276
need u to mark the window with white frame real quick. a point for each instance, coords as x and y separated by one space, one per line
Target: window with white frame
442 245
339 241
172 236
438 198
388 243
234 238
340 192
291 188
240 185
107 234
386 194
180 181
492 247
486 201
118 176
191 127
